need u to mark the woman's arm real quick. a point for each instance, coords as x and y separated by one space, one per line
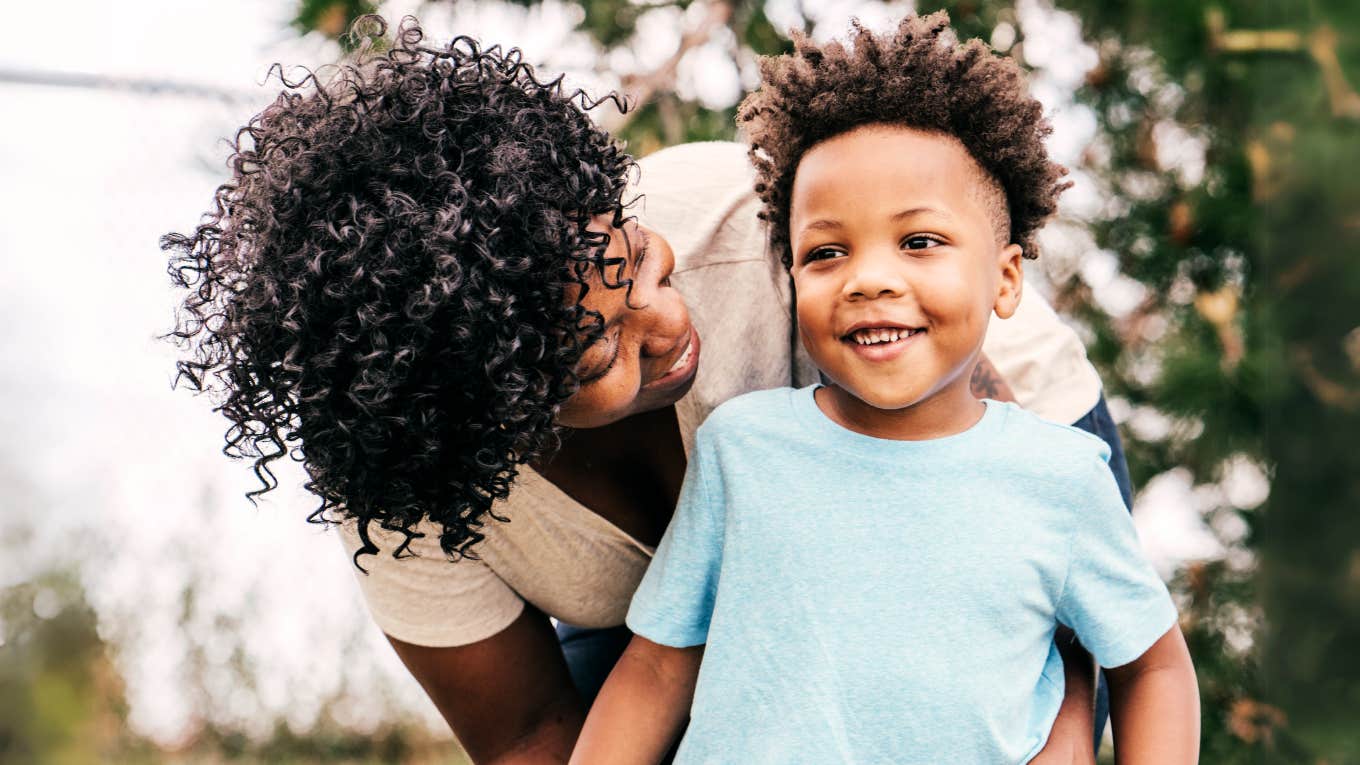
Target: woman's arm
642 706
508 698
1071 741
1154 705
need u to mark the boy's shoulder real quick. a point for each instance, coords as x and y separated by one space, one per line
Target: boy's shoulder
750 414
1049 448
756 405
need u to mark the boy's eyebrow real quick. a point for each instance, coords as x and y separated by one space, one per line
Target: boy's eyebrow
822 224
897 216
830 224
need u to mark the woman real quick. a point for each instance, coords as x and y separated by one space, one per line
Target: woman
426 281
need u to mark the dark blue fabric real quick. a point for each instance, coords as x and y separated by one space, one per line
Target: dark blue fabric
1099 423
591 654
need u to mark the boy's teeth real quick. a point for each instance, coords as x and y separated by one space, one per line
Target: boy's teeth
873 336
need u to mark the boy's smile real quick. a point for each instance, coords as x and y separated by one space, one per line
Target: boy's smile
880 340
899 259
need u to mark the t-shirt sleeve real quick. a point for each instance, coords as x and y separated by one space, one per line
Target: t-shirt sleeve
426 599
1112 598
674 603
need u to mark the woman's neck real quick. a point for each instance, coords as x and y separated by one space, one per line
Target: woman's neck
628 472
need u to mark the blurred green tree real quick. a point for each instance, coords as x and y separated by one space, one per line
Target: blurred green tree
1255 285
62 700
60 697
331 18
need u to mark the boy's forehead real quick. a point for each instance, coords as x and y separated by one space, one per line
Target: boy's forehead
913 161
863 166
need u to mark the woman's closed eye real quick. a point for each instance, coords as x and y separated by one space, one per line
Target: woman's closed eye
595 370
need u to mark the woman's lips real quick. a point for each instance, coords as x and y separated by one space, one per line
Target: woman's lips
682 369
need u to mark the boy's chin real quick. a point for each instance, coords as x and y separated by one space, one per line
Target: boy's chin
885 398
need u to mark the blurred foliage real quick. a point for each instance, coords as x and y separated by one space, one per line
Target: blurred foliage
332 18
62 700
1255 288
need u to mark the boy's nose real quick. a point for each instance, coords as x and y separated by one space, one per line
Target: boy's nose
874 275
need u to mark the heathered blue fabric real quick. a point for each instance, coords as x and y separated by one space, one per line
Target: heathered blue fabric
875 601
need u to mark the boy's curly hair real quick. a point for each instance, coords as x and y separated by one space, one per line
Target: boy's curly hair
917 77
384 288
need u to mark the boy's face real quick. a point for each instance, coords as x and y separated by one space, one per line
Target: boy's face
896 264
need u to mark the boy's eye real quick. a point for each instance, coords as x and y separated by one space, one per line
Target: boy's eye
919 242
821 253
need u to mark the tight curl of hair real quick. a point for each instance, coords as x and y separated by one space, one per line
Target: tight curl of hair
388 288
917 77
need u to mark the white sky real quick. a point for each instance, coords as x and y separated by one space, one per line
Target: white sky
121 475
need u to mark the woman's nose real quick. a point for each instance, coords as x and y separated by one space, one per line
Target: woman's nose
662 339
663 250
667 325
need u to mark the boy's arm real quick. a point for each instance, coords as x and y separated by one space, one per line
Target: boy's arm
642 706
1154 705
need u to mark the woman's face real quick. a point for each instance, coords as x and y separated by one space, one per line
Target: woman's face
649 352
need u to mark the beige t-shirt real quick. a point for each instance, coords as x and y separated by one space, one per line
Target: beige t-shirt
574 565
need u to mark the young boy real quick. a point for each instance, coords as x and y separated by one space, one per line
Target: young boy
872 570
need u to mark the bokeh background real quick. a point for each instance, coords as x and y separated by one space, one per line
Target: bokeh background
1209 255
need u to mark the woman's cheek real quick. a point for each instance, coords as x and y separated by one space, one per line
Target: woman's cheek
603 402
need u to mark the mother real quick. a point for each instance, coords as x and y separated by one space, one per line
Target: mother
425 281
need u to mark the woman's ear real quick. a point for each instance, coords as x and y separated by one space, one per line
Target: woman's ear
1010 261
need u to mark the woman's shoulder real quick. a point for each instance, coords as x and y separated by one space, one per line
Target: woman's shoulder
701 198
715 162
553 552
416 594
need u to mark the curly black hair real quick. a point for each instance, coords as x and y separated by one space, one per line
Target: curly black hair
917 77
388 288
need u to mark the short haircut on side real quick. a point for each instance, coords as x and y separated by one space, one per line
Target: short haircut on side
918 77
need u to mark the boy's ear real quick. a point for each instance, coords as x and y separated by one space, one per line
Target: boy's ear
1011 263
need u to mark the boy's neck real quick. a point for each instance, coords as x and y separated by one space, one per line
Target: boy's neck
946 412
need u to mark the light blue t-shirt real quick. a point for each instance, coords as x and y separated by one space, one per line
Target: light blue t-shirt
875 601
